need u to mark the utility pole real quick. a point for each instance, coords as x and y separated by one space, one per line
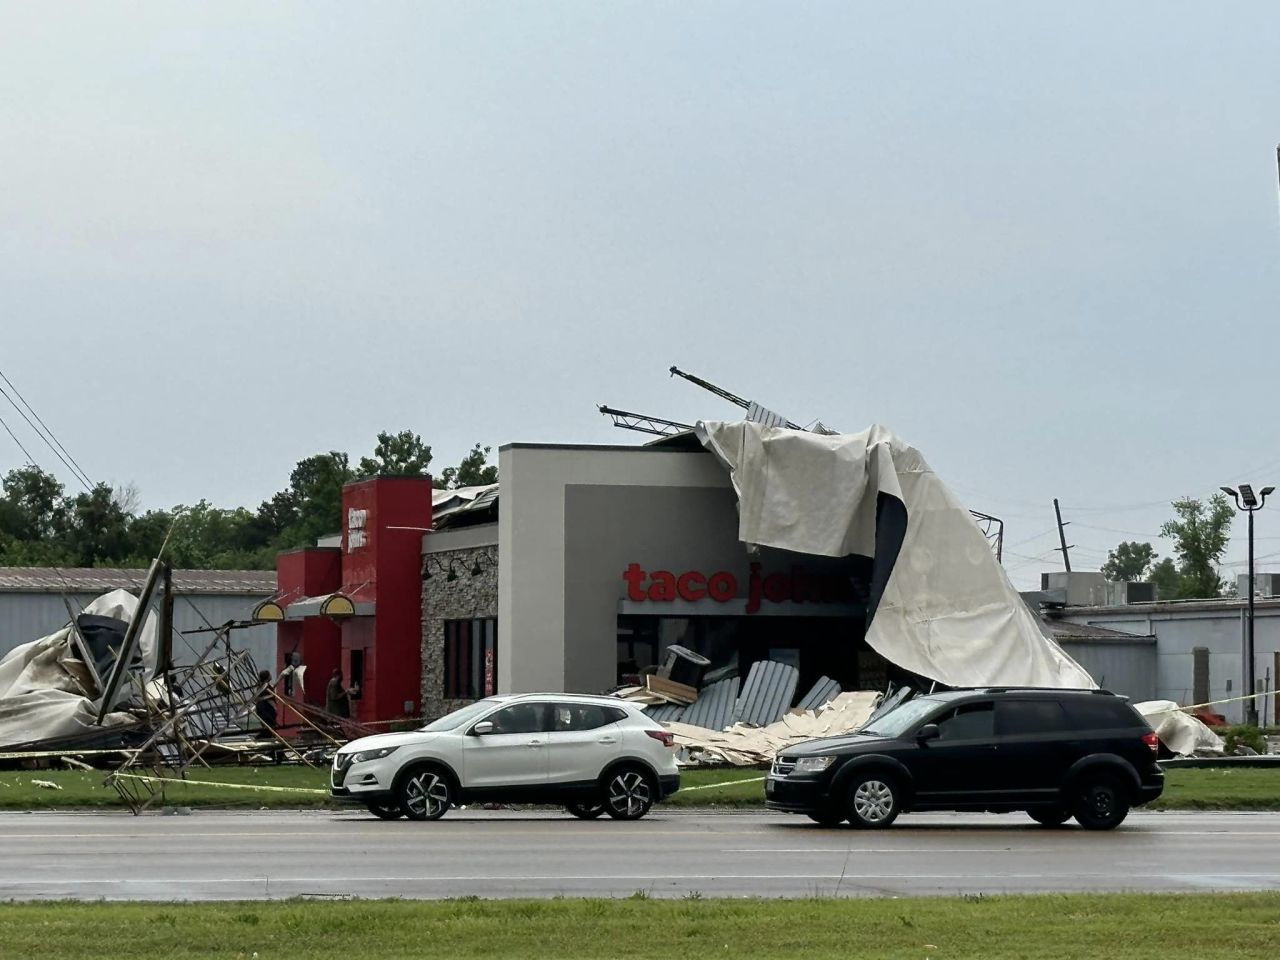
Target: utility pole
1062 536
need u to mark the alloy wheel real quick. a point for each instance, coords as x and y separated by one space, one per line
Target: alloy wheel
426 795
629 796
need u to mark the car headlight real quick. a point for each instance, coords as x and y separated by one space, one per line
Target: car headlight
813 764
366 755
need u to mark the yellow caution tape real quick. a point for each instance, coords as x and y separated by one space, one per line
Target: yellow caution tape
725 783
215 783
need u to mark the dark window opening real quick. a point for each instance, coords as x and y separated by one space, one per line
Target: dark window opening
1101 713
357 674
520 718
972 721
569 717
1020 717
470 658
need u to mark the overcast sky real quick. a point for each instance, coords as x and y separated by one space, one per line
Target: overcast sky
1040 242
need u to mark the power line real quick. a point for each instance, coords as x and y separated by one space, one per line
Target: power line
84 480
46 427
30 459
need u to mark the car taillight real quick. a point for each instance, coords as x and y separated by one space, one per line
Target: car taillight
666 736
1152 741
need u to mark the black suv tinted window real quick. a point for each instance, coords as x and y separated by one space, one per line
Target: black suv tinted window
970 721
1101 713
1015 717
583 716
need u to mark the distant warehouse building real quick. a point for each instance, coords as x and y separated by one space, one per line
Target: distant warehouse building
34 603
1189 651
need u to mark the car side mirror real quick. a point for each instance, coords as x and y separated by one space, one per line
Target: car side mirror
482 728
928 732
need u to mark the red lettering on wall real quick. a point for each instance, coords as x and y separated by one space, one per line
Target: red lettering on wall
662 585
722 587
635 578
796 586
691 586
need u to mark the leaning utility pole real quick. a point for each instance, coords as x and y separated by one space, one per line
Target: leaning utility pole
1062 536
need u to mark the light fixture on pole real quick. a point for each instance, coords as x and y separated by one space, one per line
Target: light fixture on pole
1250 503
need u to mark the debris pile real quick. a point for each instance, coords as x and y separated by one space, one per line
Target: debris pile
105 686
718 718
1183 734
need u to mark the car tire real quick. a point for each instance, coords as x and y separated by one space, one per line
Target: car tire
1050 817
1101 804
586 811
385 811
628 793
874 801
826 818
425 792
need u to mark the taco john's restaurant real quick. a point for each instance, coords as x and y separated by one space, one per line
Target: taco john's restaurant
575 573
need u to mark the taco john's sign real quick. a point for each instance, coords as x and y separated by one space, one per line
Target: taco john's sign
795 586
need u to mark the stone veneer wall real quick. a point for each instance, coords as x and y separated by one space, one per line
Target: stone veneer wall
465 598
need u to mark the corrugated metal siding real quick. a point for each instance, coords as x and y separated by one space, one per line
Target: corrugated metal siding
666 712
768 692
1123 668
29 616
714 707
823 691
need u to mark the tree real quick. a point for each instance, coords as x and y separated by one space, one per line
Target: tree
34 504
397 455
473 471
312 506
1166 578
95 528
1129 561
1200 534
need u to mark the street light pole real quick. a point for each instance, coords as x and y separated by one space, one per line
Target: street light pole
1250 503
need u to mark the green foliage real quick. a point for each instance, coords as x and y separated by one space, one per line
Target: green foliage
1243 736
1200 534
473 471
1129 561
42 525
1166 578
397 455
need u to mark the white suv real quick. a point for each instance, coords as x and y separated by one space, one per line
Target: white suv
594 755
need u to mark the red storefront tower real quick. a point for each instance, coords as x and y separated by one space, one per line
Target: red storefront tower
359 606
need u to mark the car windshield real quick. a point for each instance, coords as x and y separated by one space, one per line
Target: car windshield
901 719
451 721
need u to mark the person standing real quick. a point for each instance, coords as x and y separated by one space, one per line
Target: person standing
336 699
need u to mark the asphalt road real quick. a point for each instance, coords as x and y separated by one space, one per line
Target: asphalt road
225 855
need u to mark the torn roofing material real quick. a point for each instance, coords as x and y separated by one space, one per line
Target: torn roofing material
941 605
714 707
768 692
824 691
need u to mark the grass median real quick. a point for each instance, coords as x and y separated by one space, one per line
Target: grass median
292 787
1137 927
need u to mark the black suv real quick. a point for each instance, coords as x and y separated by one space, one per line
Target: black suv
1056 754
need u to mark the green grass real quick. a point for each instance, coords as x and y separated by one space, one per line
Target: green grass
1135 927
1216 788
1185 789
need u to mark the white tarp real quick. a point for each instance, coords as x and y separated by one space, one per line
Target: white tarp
1182 733
948 611
46 692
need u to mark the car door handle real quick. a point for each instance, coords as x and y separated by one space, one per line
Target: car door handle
535 743
607 740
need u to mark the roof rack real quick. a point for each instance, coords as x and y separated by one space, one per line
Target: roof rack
1096 691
